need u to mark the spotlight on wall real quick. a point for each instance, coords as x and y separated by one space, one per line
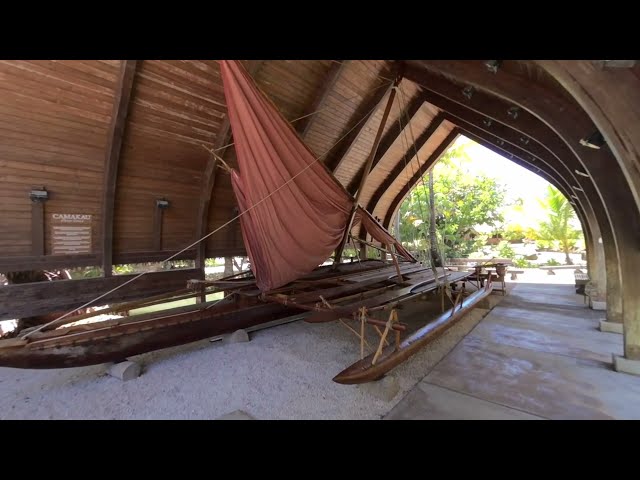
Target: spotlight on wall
595 140
163 204
468 92
582 173
493 65
39 195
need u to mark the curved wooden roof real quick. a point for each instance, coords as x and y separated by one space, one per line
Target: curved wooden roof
110 138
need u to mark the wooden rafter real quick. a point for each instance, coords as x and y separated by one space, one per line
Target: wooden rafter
547 162
488 106
332 76
424 168
362 115
391 136
112 159
367 170
508 152
223 138
422 139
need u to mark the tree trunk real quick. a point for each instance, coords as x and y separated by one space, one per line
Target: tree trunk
567 257
436 261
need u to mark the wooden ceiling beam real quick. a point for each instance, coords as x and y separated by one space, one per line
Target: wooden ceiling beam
424 168
389 138
332 76
121 102
360 119
505 114
542 172
408 156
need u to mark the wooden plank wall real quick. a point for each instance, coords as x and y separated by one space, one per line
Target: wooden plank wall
63 295
176 107
54 117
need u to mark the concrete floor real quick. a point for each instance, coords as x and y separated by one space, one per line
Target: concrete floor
537 355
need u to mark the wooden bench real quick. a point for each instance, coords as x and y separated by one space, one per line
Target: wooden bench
514 273
550 268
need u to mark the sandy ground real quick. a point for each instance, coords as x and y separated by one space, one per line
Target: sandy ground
284 372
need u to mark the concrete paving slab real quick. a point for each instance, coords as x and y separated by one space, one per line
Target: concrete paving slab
431 402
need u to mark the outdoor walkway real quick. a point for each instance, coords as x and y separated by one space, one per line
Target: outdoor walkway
537 355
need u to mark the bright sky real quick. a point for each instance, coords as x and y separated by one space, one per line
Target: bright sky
518 181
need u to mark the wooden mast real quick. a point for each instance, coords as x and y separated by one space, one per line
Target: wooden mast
367 169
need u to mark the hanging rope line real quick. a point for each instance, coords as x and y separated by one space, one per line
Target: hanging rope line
57 320
415 149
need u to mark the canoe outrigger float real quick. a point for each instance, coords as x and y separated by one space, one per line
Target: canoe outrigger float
294 214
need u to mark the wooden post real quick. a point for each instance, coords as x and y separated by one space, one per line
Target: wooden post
366 171
37 225
157 225
395 262
362 318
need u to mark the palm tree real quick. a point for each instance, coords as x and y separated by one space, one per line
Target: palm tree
558 227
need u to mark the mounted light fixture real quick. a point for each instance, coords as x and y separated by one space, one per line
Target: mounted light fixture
468 92
582 173
487 122
572 202
575 196
577 188
513 112
163 204
595 140
39 195
493 65
500 142
524 140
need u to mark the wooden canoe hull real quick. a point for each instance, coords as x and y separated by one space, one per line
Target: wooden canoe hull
363 371
116 343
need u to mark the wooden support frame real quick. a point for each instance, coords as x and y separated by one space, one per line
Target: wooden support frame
422 139
424 168
389 138
367 170
117 127
564 116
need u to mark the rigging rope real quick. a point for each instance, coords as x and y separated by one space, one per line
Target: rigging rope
41 327
439 251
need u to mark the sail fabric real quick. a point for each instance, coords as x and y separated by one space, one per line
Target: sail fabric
378 232
294 211
299 224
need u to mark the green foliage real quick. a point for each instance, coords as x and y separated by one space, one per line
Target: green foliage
553 262
522 262
505 250
558 226
514 233
462 202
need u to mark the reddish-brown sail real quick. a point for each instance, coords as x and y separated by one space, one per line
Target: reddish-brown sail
295 212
